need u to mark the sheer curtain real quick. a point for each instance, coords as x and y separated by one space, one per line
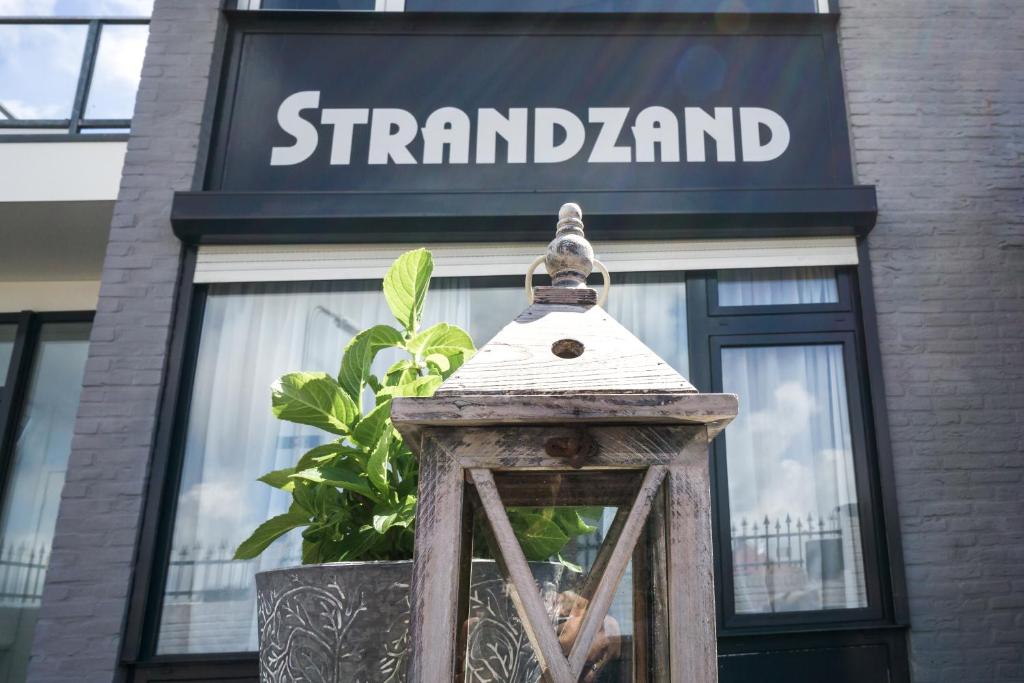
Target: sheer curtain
7 333
792 494
777 286
252 334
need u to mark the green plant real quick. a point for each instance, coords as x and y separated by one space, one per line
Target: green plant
355 497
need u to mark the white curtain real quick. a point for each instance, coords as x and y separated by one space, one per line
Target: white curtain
252 334
777 286
792 495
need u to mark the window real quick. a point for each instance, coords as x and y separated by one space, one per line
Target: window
38 415
115 78
786 339
47 89
792 6
253 333
796 537
795 532
778 286
7 334
65 69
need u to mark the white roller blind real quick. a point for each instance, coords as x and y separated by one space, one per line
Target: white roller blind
283 263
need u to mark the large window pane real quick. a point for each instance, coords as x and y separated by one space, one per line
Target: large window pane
796 542
76 8
115 78
252 334
39 67
320 4
7 333
777 286
39 463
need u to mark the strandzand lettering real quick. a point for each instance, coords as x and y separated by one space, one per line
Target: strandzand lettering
763 134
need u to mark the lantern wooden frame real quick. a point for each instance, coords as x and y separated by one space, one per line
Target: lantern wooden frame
453 458
521 409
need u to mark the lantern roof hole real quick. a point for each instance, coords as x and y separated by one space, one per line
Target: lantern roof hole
567 348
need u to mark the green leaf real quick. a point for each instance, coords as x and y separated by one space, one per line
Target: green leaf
402 372
324 454
359 355
440 338
268 532
405 287
280 479
539 536
422 386
571 566
570 521
340 477
367 431
303 497
440 363
315 399
381 523
377 467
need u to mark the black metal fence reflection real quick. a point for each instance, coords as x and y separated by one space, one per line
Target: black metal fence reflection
787 542
204 574
22 572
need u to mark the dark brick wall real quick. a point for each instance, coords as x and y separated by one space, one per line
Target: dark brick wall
85 599
936 102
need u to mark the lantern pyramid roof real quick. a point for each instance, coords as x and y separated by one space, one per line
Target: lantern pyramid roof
564 343
564 359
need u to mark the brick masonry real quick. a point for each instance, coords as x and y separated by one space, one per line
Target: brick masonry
78 637
936 102
935 92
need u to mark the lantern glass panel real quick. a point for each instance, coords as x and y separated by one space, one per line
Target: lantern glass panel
567 548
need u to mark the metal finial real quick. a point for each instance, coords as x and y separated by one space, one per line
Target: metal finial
570 258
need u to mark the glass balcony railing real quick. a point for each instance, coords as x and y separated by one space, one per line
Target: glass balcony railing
69 75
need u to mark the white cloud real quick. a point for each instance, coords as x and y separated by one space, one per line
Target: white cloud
76 8
27 8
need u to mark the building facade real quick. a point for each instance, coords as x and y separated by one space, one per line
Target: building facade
817 207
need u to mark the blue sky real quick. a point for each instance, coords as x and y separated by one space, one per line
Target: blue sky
39 64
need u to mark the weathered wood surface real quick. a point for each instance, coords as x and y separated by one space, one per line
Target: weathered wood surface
580 296
660 639
542 488
690 572
525 593
476 410
517 448
597 610
436 568
519 358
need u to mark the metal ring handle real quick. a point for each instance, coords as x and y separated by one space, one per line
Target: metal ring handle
605 275
607 283
529 277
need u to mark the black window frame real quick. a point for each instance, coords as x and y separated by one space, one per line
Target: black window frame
850 321
843 289
77 125
713 327
19 376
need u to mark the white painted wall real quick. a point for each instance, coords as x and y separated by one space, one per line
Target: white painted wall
74 295
60 171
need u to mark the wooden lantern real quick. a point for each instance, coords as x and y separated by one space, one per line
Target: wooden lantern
566 407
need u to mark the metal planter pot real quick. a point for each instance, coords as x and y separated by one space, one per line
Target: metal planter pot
348 622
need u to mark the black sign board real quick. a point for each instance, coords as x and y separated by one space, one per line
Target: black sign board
397 116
